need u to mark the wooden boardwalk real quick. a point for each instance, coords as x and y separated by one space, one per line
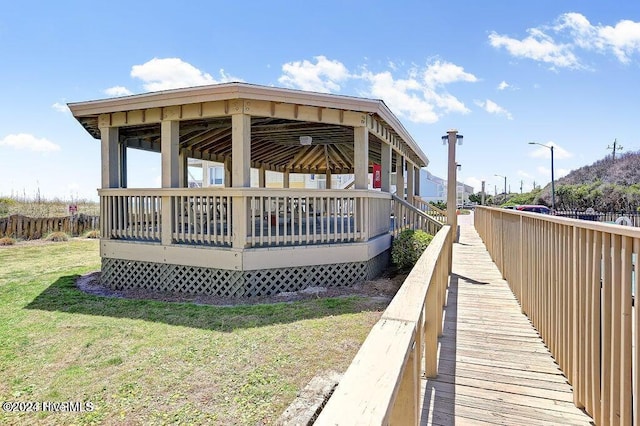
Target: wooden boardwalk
493 367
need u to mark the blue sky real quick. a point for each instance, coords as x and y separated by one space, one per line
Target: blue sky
501 72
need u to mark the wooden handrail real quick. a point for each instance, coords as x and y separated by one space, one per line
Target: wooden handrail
382 384
574 280
408 216
430 205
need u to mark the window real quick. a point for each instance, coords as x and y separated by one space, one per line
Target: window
216 175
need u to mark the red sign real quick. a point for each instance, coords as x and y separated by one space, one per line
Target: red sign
377 175
73 208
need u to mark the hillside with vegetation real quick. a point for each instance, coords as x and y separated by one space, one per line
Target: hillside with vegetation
605 186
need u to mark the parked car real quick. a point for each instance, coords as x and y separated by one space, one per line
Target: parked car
533 208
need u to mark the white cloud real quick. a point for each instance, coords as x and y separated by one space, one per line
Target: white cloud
323 76
28 142
503 85
623 39
172 73
493 108
117 91
402 96
441 73
61 107
421 96
559 153
539 47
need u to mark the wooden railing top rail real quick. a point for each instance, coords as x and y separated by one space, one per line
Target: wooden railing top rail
369 391
416 210
408 303
273 192
611 228
431 206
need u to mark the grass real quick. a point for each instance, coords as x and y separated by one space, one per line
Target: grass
151 362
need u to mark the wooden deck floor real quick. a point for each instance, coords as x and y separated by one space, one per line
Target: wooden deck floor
493 366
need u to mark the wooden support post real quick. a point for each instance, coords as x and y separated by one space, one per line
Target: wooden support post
110 157
385 185
285 179
361 157
166 221
205 174
240 176
183 169
400 176
241 150
169 142
410 182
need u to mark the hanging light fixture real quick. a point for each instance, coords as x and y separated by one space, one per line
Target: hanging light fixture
305 140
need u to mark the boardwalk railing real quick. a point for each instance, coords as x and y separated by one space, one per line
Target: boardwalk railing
574 279
430 209
244 217
625 218
382 384
407 216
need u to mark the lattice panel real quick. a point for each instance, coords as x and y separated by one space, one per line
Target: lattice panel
378 264
128 275
273 281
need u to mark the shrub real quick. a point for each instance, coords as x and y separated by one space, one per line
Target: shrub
92 234
5 203
7 241
57 237
408 247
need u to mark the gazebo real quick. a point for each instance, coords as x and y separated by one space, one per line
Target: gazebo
239 240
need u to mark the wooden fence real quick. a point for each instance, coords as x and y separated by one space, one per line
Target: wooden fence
625 218
32 228
576 280
382 384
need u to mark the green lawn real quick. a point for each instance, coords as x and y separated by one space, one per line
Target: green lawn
150 362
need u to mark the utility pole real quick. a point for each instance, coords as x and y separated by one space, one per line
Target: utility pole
614 148
521 186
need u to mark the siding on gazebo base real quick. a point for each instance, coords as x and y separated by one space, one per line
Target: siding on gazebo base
120 274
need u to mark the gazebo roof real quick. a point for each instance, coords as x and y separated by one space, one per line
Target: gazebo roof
279 117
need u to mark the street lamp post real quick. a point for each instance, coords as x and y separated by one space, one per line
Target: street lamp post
452 137
505 186
553 184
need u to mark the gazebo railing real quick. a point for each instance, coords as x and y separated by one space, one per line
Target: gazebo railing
244 217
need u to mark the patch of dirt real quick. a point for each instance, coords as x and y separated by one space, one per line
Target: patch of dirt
379 290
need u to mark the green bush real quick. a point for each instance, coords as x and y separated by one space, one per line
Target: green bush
408 247
5 203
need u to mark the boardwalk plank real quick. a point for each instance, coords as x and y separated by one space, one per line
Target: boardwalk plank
493 367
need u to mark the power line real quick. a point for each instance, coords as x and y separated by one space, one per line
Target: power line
614 148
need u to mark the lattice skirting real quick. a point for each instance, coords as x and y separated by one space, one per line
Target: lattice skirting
120 274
